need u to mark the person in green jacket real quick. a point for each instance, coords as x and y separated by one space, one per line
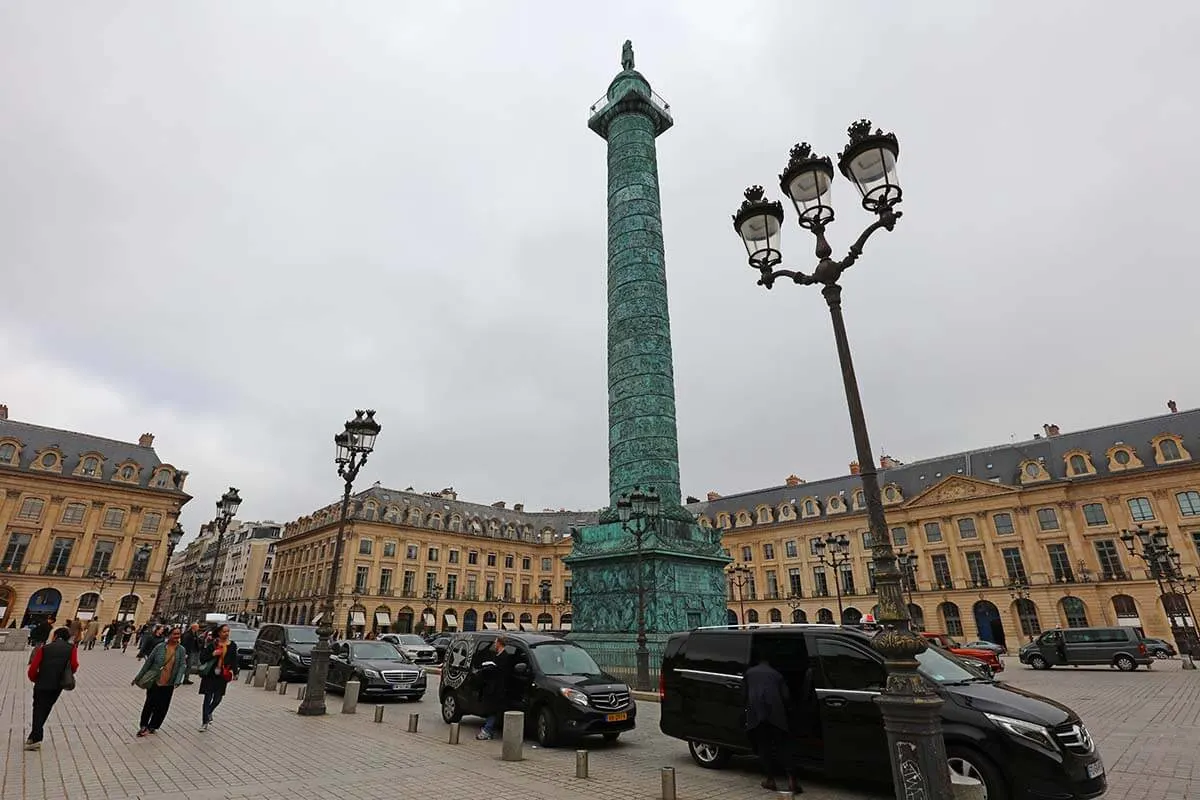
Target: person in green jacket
162 670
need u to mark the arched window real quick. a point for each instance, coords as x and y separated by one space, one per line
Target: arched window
1169 450
1028 616
1125 606
825 616
774 616
799 616
1075 612
810 508
1078 465
951 618
752 617
915 613
859 501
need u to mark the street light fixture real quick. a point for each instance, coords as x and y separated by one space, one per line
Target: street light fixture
1164 562
137 572
174 536
353 445
834 551
907 561
910 707
794 602
739 576
431 598
1018 589
227 508
639 513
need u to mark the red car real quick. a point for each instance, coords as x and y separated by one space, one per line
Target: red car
988 657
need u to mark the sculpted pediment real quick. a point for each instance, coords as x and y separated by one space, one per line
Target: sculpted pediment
957 488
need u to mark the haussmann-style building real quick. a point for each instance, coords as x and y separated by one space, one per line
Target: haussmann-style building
87 524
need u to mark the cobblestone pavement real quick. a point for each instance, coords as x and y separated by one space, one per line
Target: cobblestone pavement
1147 724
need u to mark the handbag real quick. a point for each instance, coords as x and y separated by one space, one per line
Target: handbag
227 674
67 681
147 679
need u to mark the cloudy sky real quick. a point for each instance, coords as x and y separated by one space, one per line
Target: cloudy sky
230 224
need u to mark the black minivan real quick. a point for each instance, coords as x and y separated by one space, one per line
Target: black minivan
1019 745
555 682
287 646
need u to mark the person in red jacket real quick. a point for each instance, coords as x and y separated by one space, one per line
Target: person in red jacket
46 668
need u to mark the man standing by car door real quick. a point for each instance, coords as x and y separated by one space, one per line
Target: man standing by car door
767 724
496 668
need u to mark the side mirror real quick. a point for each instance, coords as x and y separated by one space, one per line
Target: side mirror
521 669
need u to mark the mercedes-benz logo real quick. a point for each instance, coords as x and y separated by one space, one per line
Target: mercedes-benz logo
1084 737
609 699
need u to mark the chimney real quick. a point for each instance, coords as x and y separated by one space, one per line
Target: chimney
854 468
4 410
793 480
449 494
518 507
713 496
887 462
1170 404
498 504
691 499
145 440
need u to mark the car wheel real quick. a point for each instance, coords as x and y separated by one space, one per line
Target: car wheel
612 736
547 727
972 764
450 711
709 756
1161 654
1038 662
1125 663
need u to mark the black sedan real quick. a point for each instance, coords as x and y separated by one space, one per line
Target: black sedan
380 669
244 639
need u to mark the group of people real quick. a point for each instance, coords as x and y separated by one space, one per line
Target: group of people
84 634
169 658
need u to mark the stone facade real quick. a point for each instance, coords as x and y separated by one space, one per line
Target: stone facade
73 506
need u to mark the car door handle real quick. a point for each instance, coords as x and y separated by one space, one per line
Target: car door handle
835 702
733 685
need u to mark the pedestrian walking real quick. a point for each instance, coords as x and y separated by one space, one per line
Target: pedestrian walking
497 669
767 724
76 628
218 668
111 635
51 669
191 645
164 669
91 633
150 640
126 635
41 631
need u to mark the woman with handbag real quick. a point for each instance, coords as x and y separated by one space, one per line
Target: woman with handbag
52 669
164 669
218 667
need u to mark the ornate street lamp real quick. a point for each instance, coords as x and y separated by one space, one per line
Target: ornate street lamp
639 513
432 595
910 707
137 571
739 578
174 536
907 561
101 580
1018 589
353 445
1164 562
227 507
794 602
834 552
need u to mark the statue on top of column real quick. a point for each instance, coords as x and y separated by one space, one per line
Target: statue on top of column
627 55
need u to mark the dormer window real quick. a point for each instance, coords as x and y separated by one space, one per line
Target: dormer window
8 454
786 512
50 461
810 508
859 501
743 519
1033 471
1168 448
127 473
892 494
1079 464
764 515
835 505
1122 457
162 479
722 520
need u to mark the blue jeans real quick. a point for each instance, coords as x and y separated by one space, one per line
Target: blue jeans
489 725
211 701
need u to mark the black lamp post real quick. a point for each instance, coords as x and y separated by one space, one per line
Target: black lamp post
910 707
101 580
1163 561
173 538
137 572
738 576
794 602
353 444
1018 589
432 595
907 561
834 552
227 507
639 513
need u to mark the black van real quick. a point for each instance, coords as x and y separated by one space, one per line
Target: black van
1021 746
555 682
288 647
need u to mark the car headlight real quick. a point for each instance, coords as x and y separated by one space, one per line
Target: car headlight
575 696
293 657
1029 733
371 673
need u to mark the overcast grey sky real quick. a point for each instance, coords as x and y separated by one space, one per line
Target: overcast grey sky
230 224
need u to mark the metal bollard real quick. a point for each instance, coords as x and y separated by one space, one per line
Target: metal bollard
453 734
301 690
272 679
379 713
581 763
514 736
260 675
249 676
350 697
283 687
413 721
668 783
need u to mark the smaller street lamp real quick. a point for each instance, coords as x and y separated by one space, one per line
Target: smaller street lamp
834 551
639 513
1175 589
431 598
227 508
739 578
794 602
907 561
138 571
1018 589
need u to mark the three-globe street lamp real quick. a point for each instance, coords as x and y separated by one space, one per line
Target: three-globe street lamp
834 552
1018 589
174 536
101 580
907 561
227 507
739 577
432 595
639 513
794 602
137 572
353 445
1174 588
910 707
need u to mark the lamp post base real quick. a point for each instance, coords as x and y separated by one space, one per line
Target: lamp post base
313 704
643 668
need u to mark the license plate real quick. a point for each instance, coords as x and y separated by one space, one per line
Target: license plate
618 717
1095 769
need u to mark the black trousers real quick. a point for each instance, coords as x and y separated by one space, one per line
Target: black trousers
772 745
43 703
158 702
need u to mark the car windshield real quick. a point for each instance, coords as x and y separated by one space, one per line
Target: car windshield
243 636
560 658
302 636
409 638
942 667
381 651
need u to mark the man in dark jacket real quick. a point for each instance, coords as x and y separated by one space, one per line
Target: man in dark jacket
191 645
41 631
153 638
496 666
767 724
46 669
